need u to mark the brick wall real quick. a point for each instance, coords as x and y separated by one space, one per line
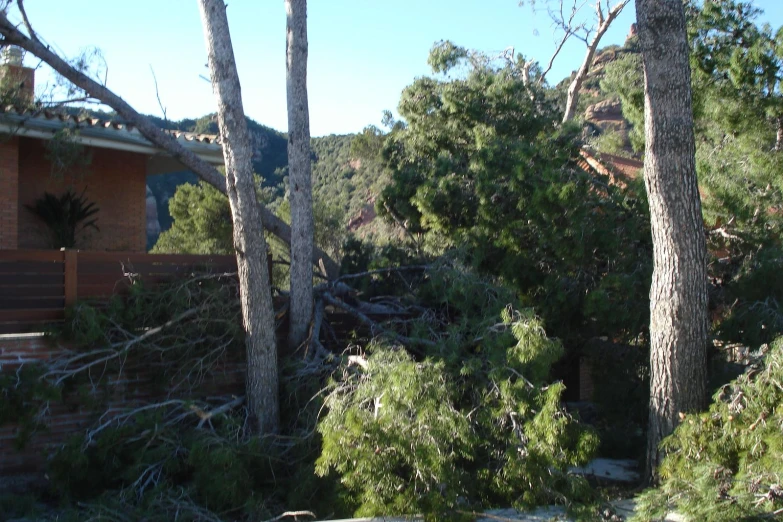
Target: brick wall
114 180
131 388
9 192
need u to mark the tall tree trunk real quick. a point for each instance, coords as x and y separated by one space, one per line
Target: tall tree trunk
299 173
678 297
575 88
13 36
255 293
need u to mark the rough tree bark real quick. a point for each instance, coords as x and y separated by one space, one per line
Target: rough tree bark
12 35
678 296
603 23
255 294
299 173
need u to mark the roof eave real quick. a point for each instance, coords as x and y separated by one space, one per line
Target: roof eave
109 138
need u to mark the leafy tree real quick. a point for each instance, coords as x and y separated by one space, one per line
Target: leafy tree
482 164
202 222
738 59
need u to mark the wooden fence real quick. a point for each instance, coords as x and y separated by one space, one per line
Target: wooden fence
36 286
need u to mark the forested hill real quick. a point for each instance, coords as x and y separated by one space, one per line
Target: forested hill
339 181
269 146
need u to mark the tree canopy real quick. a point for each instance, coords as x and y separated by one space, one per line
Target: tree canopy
482 164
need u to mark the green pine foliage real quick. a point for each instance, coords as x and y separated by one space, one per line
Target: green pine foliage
725 464
22 394
201 222
341 178
147 461
469 423
394 437
483 164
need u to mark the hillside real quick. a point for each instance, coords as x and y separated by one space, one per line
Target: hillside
339 182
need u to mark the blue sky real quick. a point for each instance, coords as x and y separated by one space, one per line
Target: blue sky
362 52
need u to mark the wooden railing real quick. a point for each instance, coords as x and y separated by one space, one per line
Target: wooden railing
36 286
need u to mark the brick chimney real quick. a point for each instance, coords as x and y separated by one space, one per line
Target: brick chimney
17 82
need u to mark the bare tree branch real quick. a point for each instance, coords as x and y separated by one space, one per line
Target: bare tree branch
374 327
157 94
411 268
576 84
559 48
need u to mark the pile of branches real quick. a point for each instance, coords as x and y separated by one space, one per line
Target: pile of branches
187 453
180 349
163 342
162 371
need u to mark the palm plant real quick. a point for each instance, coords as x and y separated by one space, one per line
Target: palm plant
65 216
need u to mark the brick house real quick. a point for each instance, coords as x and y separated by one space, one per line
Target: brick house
109 163
115 162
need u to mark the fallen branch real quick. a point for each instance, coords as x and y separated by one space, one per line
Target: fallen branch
374 326
417 268
114 351
294 514
206 416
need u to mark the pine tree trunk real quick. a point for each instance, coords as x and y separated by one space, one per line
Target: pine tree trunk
678 297
299 173
251 250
